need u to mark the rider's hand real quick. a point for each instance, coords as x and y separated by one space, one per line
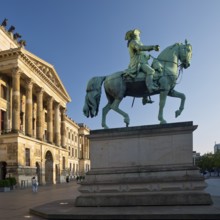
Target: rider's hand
156 47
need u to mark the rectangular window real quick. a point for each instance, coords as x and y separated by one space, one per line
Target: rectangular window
3 92
70 167
64 162
45 117
74 169
27 157
33 123
45 135
2 116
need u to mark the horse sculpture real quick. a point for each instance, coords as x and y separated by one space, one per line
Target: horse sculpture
117 86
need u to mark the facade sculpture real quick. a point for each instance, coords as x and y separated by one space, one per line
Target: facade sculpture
140 79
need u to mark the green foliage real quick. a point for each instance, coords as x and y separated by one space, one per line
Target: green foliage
209 162
206 162
216 158
4 183
12 181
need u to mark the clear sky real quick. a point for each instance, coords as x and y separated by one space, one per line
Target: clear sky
85 38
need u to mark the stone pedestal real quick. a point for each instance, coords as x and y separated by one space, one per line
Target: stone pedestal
141 166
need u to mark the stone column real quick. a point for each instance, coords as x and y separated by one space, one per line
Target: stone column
57 124
63 128
40 114
16 74
34 113
8 112
29 107
50 120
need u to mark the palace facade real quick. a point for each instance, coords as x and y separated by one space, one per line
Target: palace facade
37 138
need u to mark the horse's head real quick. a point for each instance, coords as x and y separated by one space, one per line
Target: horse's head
185 54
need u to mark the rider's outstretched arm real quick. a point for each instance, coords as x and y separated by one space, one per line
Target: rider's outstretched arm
140 47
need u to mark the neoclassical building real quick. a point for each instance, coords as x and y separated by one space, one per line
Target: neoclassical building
36 136
78 148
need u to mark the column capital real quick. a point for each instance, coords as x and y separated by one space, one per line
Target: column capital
63 110
63 113
56 104
50 99
16 72
29 83
40 91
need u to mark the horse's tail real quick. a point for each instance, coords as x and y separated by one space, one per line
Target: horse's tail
93 95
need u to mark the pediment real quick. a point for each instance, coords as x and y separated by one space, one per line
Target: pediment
49 72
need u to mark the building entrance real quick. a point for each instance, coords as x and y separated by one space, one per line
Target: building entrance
49 168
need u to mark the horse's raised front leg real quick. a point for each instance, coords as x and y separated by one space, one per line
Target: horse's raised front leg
115 107
180 95
163 97
105 111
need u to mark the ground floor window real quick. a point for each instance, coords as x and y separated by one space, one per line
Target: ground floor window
27 157
64 161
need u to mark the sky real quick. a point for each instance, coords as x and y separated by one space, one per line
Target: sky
85 38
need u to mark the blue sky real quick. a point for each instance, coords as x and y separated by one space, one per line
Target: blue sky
85 38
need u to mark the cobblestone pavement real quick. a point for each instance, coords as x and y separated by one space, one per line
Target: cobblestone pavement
15 205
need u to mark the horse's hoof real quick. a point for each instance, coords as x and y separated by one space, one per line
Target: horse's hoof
163 122
177 113
105 126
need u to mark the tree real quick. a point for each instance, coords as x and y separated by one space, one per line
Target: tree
216 159
206 163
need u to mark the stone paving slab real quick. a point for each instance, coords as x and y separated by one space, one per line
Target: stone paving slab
15 205
66 209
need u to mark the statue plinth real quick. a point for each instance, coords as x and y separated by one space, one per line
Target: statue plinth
141 166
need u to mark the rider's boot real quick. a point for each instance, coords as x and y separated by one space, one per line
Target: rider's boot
150 84
147 100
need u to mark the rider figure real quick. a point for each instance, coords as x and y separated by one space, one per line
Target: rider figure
139 59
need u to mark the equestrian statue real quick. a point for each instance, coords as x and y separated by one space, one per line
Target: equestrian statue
140 79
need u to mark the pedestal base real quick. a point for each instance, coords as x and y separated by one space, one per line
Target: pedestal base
143 166
145 199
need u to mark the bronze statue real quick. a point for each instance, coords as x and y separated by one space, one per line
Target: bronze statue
139 59
133 83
